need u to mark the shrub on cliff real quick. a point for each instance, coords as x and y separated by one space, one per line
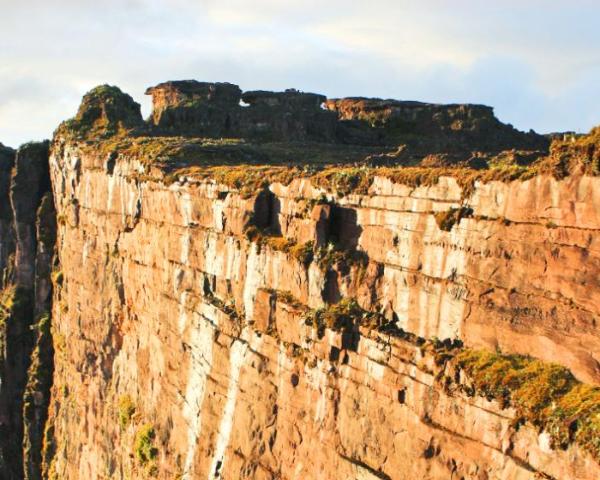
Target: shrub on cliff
126 410
342 258
144 448
303 252
446 220
342 316
15 302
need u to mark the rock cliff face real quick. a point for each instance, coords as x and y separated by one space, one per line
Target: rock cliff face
27 233
222 110
275 306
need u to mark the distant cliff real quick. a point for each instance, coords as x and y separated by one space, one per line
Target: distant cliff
27 236
276 285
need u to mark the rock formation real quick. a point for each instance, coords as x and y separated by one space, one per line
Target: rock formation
295 287
27 247
222 110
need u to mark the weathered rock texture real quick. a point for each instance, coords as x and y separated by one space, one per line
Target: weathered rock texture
27 235
181 343
222 110
240 308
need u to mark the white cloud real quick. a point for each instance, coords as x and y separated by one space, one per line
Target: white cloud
537 62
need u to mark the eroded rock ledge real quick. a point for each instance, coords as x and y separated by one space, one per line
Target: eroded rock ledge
295 287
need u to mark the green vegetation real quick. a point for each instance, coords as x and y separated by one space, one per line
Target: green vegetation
49 452
45 221
57 277
36 396
40 371
126 410
545 394
343 259
105 111
227 307
342 316
144 449
303 252
340 169
15 302
446 220
286 297
345 181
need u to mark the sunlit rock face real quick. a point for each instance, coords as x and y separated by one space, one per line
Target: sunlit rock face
168 306
274 285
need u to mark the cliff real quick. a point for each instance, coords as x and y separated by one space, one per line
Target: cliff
27 234
295 287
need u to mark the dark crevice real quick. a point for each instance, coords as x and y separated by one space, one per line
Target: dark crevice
371 470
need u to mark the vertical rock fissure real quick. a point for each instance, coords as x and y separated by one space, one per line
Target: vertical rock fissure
28 232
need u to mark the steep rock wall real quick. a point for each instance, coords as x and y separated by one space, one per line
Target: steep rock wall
7 240
174 358
27 233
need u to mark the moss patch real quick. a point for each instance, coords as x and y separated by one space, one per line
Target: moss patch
342 259
15 302
344 315
126 410
36 397
446 220
303 252
145 451
545 394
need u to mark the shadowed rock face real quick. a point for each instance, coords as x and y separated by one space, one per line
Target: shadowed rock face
191 105
30 181
452 126
7 159
214 110
27 232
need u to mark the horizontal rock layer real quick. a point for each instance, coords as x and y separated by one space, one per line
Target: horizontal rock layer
175 359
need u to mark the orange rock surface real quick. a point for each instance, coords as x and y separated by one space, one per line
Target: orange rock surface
168 308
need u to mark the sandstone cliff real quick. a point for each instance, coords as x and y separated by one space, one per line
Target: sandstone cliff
350 288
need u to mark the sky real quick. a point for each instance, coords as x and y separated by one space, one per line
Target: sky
536 61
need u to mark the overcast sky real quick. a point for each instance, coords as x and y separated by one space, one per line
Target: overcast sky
536 61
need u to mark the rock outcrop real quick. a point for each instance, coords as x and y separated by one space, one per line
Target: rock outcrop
260 285
222 110
448 127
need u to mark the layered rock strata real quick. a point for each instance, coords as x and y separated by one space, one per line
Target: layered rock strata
353 288
183 349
